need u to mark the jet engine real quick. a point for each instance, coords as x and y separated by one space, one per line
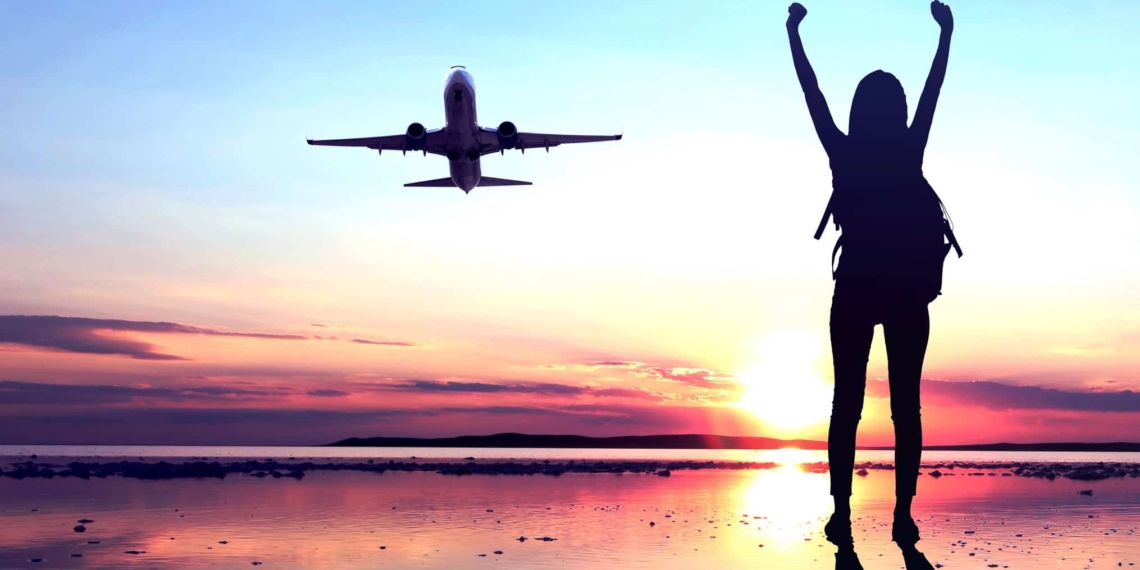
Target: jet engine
415 137
508 135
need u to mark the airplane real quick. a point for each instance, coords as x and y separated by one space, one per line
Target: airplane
462 140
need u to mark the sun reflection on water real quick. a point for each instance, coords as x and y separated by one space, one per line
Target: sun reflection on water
791 504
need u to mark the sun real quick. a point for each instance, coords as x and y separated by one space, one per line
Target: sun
783 389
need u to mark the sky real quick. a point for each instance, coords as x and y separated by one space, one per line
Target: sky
179 267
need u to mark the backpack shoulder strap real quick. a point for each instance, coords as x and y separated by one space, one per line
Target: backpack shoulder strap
948 227
826 214
834 252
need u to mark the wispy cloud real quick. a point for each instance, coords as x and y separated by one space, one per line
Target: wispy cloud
99 336
695 377
327 393
532 388
999 396
487 387
89 336
43 394
383 342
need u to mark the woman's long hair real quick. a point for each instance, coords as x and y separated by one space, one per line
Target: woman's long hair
878 111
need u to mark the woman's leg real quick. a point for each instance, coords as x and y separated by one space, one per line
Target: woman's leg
851 332
906 333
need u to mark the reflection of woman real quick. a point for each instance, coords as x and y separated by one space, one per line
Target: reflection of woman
891 263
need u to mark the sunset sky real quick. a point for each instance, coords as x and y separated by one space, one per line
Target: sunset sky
180 267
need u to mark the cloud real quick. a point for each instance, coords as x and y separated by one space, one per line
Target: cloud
696 377
383 342
34 393
535 388
327 393
997 396
631 393
88 336
319 325
487 388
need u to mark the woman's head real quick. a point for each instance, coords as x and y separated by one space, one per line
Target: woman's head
878 111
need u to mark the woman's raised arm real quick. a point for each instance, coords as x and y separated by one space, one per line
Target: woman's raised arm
924 114
825 127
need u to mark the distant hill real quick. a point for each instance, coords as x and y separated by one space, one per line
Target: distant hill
692 441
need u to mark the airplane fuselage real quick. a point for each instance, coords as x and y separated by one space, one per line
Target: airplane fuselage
462 131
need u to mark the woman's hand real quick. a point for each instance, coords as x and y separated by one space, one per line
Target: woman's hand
941 13
796 13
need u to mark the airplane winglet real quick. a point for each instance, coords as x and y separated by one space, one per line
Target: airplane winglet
310 141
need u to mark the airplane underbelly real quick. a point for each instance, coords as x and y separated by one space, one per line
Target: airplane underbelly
465 174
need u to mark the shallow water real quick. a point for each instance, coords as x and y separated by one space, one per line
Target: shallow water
423 519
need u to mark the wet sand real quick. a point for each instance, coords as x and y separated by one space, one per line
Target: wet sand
352 514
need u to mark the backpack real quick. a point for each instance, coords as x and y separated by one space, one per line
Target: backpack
913 263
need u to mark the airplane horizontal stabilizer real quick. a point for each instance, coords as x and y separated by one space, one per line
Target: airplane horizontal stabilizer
437 183
488 181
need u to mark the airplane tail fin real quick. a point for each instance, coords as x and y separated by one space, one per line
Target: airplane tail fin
437 183
488 181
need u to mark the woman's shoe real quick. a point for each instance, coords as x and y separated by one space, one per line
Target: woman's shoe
838 530
904 532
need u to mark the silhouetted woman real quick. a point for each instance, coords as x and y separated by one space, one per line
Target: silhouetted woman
890 269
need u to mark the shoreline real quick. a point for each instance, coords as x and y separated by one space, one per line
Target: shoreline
194 468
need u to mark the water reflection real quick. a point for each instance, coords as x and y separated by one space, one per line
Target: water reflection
724 518
789 501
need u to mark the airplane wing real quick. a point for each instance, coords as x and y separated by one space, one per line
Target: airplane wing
490 140
433 143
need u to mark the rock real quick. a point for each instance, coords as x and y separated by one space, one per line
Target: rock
521 539
134 552
861 472
383 548
498 552
80 528
547 539
1086 492
77 556
255 563
84 521
936 473
664 473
